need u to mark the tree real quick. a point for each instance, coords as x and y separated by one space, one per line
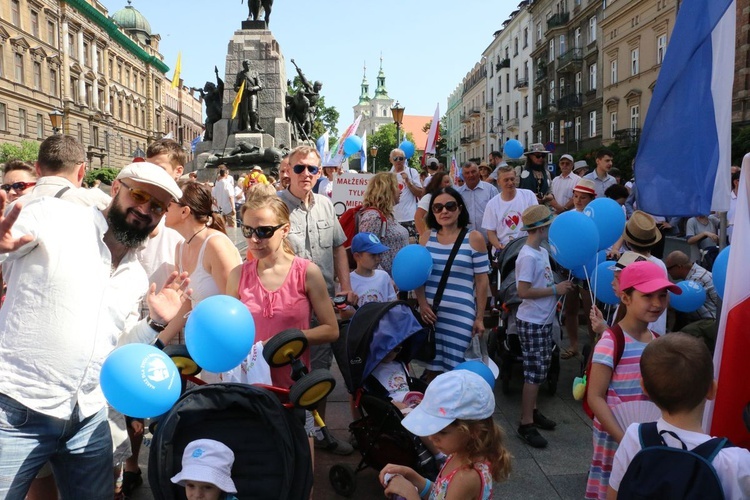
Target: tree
326 117
740 144
27 151
106 175
385 139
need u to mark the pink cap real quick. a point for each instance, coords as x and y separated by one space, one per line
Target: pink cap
646 277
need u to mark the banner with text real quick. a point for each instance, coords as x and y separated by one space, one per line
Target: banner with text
348 190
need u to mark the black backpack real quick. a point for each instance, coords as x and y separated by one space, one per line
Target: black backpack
660 472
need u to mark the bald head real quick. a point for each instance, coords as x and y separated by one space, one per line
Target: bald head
678 264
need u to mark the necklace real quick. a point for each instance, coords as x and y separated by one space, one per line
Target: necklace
195 234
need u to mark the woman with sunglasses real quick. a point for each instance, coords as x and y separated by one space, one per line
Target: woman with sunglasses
206 254
460 314
19 177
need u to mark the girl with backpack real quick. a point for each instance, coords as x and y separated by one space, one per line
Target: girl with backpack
615 372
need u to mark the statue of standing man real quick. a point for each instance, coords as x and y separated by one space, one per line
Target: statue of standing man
253 7
212 94
248 109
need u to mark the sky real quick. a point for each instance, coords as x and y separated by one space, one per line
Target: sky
427 46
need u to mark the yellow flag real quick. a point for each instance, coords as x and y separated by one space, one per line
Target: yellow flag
177 69
237 99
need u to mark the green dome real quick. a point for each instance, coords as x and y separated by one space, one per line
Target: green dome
130 19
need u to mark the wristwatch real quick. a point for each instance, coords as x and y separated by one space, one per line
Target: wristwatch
155 326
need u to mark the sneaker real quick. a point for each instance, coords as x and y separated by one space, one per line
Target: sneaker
543 422
333 445
531 436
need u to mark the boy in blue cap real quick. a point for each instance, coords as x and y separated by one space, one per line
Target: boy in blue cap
369 282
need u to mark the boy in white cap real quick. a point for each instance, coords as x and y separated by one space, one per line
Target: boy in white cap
206 471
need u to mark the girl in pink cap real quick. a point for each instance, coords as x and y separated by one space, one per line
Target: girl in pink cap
615 376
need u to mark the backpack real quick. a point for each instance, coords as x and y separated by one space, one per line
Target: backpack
619 339
349 221
660 471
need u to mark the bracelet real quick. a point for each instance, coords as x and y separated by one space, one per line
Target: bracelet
157 327
426 489
159 344
554 290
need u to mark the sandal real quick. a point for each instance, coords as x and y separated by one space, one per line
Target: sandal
568 353
130 481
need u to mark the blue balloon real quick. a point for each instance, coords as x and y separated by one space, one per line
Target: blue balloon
219 333
513 149
719 271
411 267
480 369
609 218
408 148
601 282
140 381
693 296
573 239
579 271
352 144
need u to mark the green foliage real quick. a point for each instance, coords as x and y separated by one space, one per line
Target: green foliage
740 144
27 151
326 117
106 175
385 139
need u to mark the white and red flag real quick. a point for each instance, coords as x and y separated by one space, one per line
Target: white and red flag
433 136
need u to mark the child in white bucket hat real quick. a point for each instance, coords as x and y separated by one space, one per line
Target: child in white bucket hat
206 471
456 413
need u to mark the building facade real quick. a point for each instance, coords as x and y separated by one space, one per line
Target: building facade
473 143
741 93
105 74
183 115
453 124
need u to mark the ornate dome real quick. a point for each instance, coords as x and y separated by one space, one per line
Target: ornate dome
130 19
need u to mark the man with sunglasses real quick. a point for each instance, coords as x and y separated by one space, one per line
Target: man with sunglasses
534 175
410 186
74 292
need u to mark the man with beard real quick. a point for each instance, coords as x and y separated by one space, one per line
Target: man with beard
74 289
534 175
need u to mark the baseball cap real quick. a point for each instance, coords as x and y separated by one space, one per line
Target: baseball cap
450 396
368 242
432 162
646 277
148 173
207 461
567 157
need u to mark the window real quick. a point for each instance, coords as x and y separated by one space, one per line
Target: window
634 62
95 136
661 48
2 63
53 82
526 139
15 12
515 109
635 116
578 82
525 37
86 54
507 82
119 72
551 50
525 105
592 77
110 68
561 127
552 92
613 72
119 109
74 89
39 126
51 38
72 46
89 98
35 23
22 129
592 123
577 38
516 76
19 68
592 29
515 46
539 102
562 87
526 72
562 44
539 32
3 117
127 77
37 76
539 136
80 133
612 123
551 131
128 117
100 99
577 128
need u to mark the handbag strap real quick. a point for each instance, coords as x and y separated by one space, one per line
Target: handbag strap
447 269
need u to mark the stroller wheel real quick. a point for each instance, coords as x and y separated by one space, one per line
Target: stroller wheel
182 359
284 347
310 389
342 479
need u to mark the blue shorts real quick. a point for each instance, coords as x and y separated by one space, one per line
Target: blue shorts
536 345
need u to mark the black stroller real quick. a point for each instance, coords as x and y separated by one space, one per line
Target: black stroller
374 331
503 343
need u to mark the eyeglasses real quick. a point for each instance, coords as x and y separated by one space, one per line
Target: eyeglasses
141 197
17 186
262 232
451 206
538 155
399 158
298 169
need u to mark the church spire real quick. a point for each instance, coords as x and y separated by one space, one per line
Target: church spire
380 91
364 96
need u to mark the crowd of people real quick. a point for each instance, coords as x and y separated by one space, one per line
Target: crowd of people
146 255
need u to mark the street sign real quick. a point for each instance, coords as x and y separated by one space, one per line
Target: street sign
550 146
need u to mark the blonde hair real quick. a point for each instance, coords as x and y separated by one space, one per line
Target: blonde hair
303 152
485 444
261 189
381 193
257 199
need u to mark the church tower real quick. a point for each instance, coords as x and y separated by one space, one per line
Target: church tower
376 111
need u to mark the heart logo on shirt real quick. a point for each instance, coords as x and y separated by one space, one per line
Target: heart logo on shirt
512 221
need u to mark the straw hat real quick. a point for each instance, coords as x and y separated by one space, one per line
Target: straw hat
641 230
536 216
586 186
537 147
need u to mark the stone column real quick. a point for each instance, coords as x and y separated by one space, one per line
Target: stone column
67 92
81 80
95 69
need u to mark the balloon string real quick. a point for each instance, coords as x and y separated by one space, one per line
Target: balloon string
588 280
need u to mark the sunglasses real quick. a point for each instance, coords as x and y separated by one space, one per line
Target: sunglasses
298 169
17 186
399 158
538 155
262 232
142 197
451 206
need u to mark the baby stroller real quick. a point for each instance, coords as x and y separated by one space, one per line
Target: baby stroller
374 331
503 343
263 425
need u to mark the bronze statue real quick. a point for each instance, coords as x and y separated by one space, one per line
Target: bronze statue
248 110
302 107
253 7
212 94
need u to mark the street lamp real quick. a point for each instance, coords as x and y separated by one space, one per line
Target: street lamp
373 153
56 118
398 118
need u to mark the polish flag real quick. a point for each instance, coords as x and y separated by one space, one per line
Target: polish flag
724 415
433 135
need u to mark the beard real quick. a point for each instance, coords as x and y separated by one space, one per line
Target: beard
126 233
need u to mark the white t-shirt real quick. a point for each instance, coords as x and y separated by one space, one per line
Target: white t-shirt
532 266
404 210
424 202
223 193
732 464
375 288
158 256
504 217
393 377
562 187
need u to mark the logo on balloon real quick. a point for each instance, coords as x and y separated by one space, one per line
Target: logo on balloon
693 285
553 249
589 212
154 370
